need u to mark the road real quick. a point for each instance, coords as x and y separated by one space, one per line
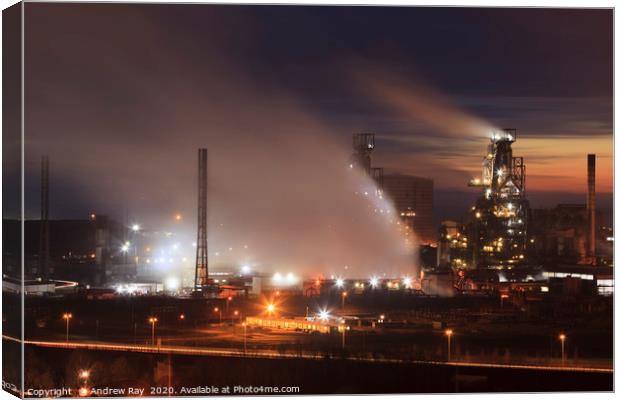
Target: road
222 352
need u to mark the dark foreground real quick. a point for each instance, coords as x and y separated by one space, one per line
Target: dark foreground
115 373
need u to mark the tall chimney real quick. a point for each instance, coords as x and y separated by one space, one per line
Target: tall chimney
202 267
44 240
592 208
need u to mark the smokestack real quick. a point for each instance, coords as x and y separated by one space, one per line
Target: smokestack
591 206
44 269
202 267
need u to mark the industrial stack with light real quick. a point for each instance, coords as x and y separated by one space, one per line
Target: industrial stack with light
499 219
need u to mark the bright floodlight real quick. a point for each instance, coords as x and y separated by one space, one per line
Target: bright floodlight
407 281
374 282
172 283
125 248
271 308
340 282
245 269
277 277
135 227
323 315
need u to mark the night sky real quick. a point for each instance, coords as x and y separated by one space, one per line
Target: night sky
120 97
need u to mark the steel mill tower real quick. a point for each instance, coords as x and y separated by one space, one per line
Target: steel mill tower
363 145
500 216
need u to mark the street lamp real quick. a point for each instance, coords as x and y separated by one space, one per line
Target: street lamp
449 333
236 313
562 338
228 300
344 295
502 297
67 317
271 308
344 329
245 337
217 310
153 321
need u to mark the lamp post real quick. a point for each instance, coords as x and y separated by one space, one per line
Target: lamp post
449 333
562 338
245 337
236 313
228 300
502 297
344 330
153 321
67 317
217 310
344 295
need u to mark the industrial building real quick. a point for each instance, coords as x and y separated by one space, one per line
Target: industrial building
498 231
85 250
412 196
413 200
505 246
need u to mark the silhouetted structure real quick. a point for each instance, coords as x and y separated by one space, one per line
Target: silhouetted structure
202 268
44 243
413 200
591 205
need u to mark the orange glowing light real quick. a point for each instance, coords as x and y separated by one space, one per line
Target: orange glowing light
178 217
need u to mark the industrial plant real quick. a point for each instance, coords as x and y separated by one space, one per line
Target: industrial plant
294 207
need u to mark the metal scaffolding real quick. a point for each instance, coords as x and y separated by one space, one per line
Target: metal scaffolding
363 144
500 216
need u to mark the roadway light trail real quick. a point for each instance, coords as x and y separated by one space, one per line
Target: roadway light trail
275 354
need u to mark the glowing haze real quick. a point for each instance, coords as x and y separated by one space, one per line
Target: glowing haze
282 196
271 92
